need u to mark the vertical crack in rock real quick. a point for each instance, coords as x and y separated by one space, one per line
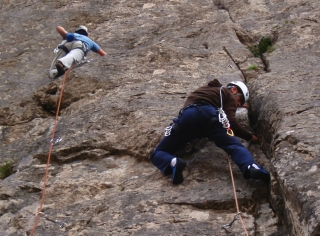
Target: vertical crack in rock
236 63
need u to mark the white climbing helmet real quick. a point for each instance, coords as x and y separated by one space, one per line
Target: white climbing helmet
52 73
82 27
243 87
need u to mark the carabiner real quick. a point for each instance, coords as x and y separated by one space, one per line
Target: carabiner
230 132
167 130
226 227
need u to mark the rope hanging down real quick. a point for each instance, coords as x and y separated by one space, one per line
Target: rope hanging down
49 154
238 215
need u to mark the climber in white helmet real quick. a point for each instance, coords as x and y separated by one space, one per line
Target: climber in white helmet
209 112
74 47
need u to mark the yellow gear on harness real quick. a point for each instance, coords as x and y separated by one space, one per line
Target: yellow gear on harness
230 132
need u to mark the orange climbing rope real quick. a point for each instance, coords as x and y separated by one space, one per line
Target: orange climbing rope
49 154
236 200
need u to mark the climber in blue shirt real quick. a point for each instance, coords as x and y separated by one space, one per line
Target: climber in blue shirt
74 47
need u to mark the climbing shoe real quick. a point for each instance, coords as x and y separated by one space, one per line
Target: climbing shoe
177 177
60 68
259 173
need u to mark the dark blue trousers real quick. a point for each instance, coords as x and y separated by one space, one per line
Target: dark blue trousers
199 121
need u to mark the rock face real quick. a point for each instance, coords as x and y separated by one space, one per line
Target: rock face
114 110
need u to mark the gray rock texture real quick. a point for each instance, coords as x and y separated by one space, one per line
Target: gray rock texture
114 110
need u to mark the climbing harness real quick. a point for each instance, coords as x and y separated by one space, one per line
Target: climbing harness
238 214
61 50
63 47
223 117
52 142
66 49
197 104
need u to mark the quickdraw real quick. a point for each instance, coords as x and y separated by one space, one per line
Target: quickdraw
55 140
227 226
238 214
223 118
167 130
61 223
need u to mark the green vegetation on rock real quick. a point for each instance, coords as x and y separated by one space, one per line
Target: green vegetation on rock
253 67
264 45
6 169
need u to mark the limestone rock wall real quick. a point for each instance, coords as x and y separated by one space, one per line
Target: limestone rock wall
115 108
